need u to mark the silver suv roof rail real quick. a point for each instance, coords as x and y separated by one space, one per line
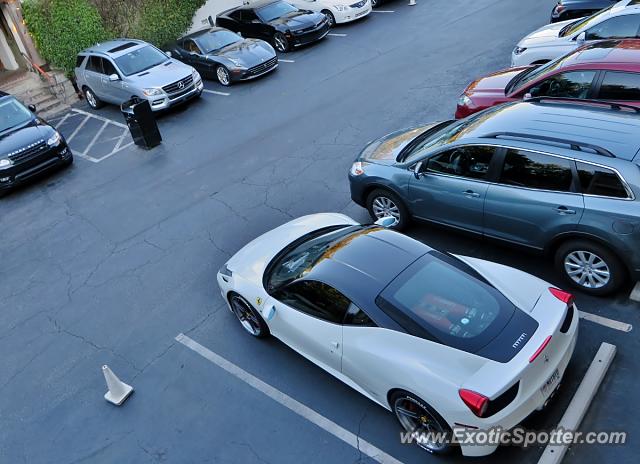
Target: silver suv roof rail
586 102
577 146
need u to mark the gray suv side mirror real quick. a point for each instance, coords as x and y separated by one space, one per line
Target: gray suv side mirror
114 77
417 170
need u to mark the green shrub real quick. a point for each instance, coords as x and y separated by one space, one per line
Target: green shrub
61 28
162 21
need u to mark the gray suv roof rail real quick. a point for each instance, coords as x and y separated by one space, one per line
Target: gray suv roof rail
585 101
577 146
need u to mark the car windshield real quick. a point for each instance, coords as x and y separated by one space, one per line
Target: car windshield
533 73
13 114
583 23
140 60
448 133
275 10
304 254
441 296
216 40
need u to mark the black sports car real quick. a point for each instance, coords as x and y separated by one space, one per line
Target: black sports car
276 21
218 53
28 144
570 9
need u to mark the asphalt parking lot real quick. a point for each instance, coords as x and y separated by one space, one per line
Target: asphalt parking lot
107 263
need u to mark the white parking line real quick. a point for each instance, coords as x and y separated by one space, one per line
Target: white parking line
215 92
580 402
101 118
382 11
295 406
80 126
611 323
286 61
335 34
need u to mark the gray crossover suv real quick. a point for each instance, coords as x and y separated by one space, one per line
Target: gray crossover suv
118 70
553 175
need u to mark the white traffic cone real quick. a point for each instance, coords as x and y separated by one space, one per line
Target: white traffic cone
118 390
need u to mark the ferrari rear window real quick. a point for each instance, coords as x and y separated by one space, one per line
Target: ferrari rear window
440 300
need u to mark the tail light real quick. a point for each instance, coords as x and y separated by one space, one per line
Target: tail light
563 296
475 401
540 349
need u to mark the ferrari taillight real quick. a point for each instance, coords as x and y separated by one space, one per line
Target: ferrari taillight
475 401
540 349
563 296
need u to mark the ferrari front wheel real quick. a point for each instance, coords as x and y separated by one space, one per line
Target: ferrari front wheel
248 317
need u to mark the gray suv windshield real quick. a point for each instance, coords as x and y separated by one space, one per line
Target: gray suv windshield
140 60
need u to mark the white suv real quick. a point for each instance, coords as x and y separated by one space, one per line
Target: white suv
621 20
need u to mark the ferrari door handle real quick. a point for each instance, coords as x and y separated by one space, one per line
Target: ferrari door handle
470 194
565 210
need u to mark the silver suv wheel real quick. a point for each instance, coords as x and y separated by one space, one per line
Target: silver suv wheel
587 269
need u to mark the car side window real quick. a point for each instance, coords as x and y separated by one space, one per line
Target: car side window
94 64
535 170
574 84
620 86
191 46
470 161
619 27
315 299
80 60
596 180
356 316
237 15
108 67
248 16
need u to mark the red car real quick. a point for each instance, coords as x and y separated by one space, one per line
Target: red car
607 70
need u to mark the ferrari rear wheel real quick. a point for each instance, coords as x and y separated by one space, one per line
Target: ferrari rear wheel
249 318
433 433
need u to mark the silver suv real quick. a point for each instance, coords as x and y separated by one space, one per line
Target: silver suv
115 71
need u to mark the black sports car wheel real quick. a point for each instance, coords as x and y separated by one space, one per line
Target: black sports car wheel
280 42
223 76
418 417
330 18
249 318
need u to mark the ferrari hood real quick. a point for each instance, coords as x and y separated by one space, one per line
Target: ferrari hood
251 261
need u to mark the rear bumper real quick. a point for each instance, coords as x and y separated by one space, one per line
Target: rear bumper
21 173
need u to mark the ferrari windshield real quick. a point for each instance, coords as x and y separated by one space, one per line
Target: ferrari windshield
13 114
216 40
275 10
300 257
583 23
440 296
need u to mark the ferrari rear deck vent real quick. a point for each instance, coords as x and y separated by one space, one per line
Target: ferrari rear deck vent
500 402
568 319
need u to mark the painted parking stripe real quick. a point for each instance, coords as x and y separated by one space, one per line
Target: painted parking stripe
335 34
215 92
293 405
611 323
382 11
286 61
580 402
78 128
101 118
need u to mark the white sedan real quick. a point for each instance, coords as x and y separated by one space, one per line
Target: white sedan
443 341
338 11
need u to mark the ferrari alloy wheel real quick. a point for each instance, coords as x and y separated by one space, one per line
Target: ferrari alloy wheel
417 417
249 318
280 42
223 76
383 203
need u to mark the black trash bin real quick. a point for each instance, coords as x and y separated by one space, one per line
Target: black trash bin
142 123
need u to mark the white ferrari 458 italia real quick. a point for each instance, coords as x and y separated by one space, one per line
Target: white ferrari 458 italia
443 341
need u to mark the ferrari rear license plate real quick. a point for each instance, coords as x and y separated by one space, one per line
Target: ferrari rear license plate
550 384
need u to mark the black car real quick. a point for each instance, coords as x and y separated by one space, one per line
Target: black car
218 53
570 9
28 144
278 22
